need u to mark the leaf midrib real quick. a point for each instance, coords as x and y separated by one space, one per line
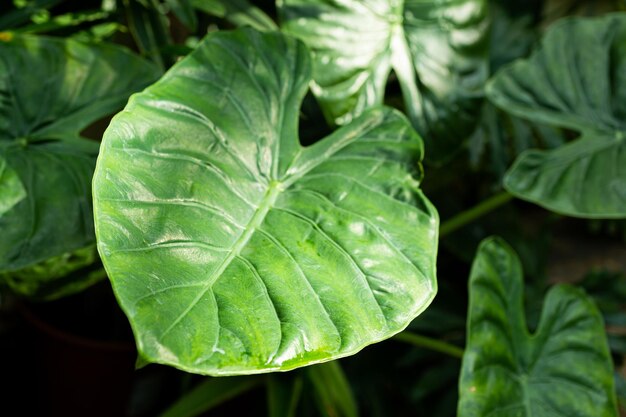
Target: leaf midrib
267 202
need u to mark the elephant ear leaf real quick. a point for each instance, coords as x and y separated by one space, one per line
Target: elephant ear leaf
437 50
563 369
235 250
581 88
51 89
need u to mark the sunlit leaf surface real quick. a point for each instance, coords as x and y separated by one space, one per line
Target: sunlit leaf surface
232 248
437 50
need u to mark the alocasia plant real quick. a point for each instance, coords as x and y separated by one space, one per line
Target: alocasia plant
563 369
232 248
437 50
581 88
51 89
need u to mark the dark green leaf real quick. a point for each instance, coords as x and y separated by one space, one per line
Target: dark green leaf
438 51
184 11
238 12
49 91
581 88
232 248
17 16
563 369
209 394
283 394
332 390
149 27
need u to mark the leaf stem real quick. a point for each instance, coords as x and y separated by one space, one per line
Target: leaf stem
429 343
468 216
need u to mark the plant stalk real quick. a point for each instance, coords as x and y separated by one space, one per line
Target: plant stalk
429 343
468 216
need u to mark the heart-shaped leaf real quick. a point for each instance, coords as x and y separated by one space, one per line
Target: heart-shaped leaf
50 90
563 369
581 88
438 51
232 248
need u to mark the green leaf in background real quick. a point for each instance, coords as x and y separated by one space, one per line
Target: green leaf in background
49 91
150 28
185 12
238 12
283 393
332 390
581 88
232 248
209 394
19 13
11 188
437 50
563 369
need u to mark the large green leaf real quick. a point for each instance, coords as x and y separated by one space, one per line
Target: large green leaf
232 248
438 51
581 88
50 90
563 369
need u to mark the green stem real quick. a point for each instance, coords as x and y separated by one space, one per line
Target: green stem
429 343
468 216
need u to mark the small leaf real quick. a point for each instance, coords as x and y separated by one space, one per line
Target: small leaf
438 51
232 248
209 394
238 12
332 390
584 89
184 11
563 369
150 29
283 394
11 188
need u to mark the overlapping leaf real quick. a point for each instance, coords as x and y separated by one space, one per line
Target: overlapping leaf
438 51
49 91
563 369
581 88
232 248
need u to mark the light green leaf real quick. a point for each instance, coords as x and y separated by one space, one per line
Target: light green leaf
562 369
232 248
438 51
581 88
49 91
11 188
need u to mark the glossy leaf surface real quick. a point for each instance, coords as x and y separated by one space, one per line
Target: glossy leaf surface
49 91
438 51
11 188
581 88
232 248
563 369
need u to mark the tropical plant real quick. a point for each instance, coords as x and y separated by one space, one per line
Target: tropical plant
263 206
